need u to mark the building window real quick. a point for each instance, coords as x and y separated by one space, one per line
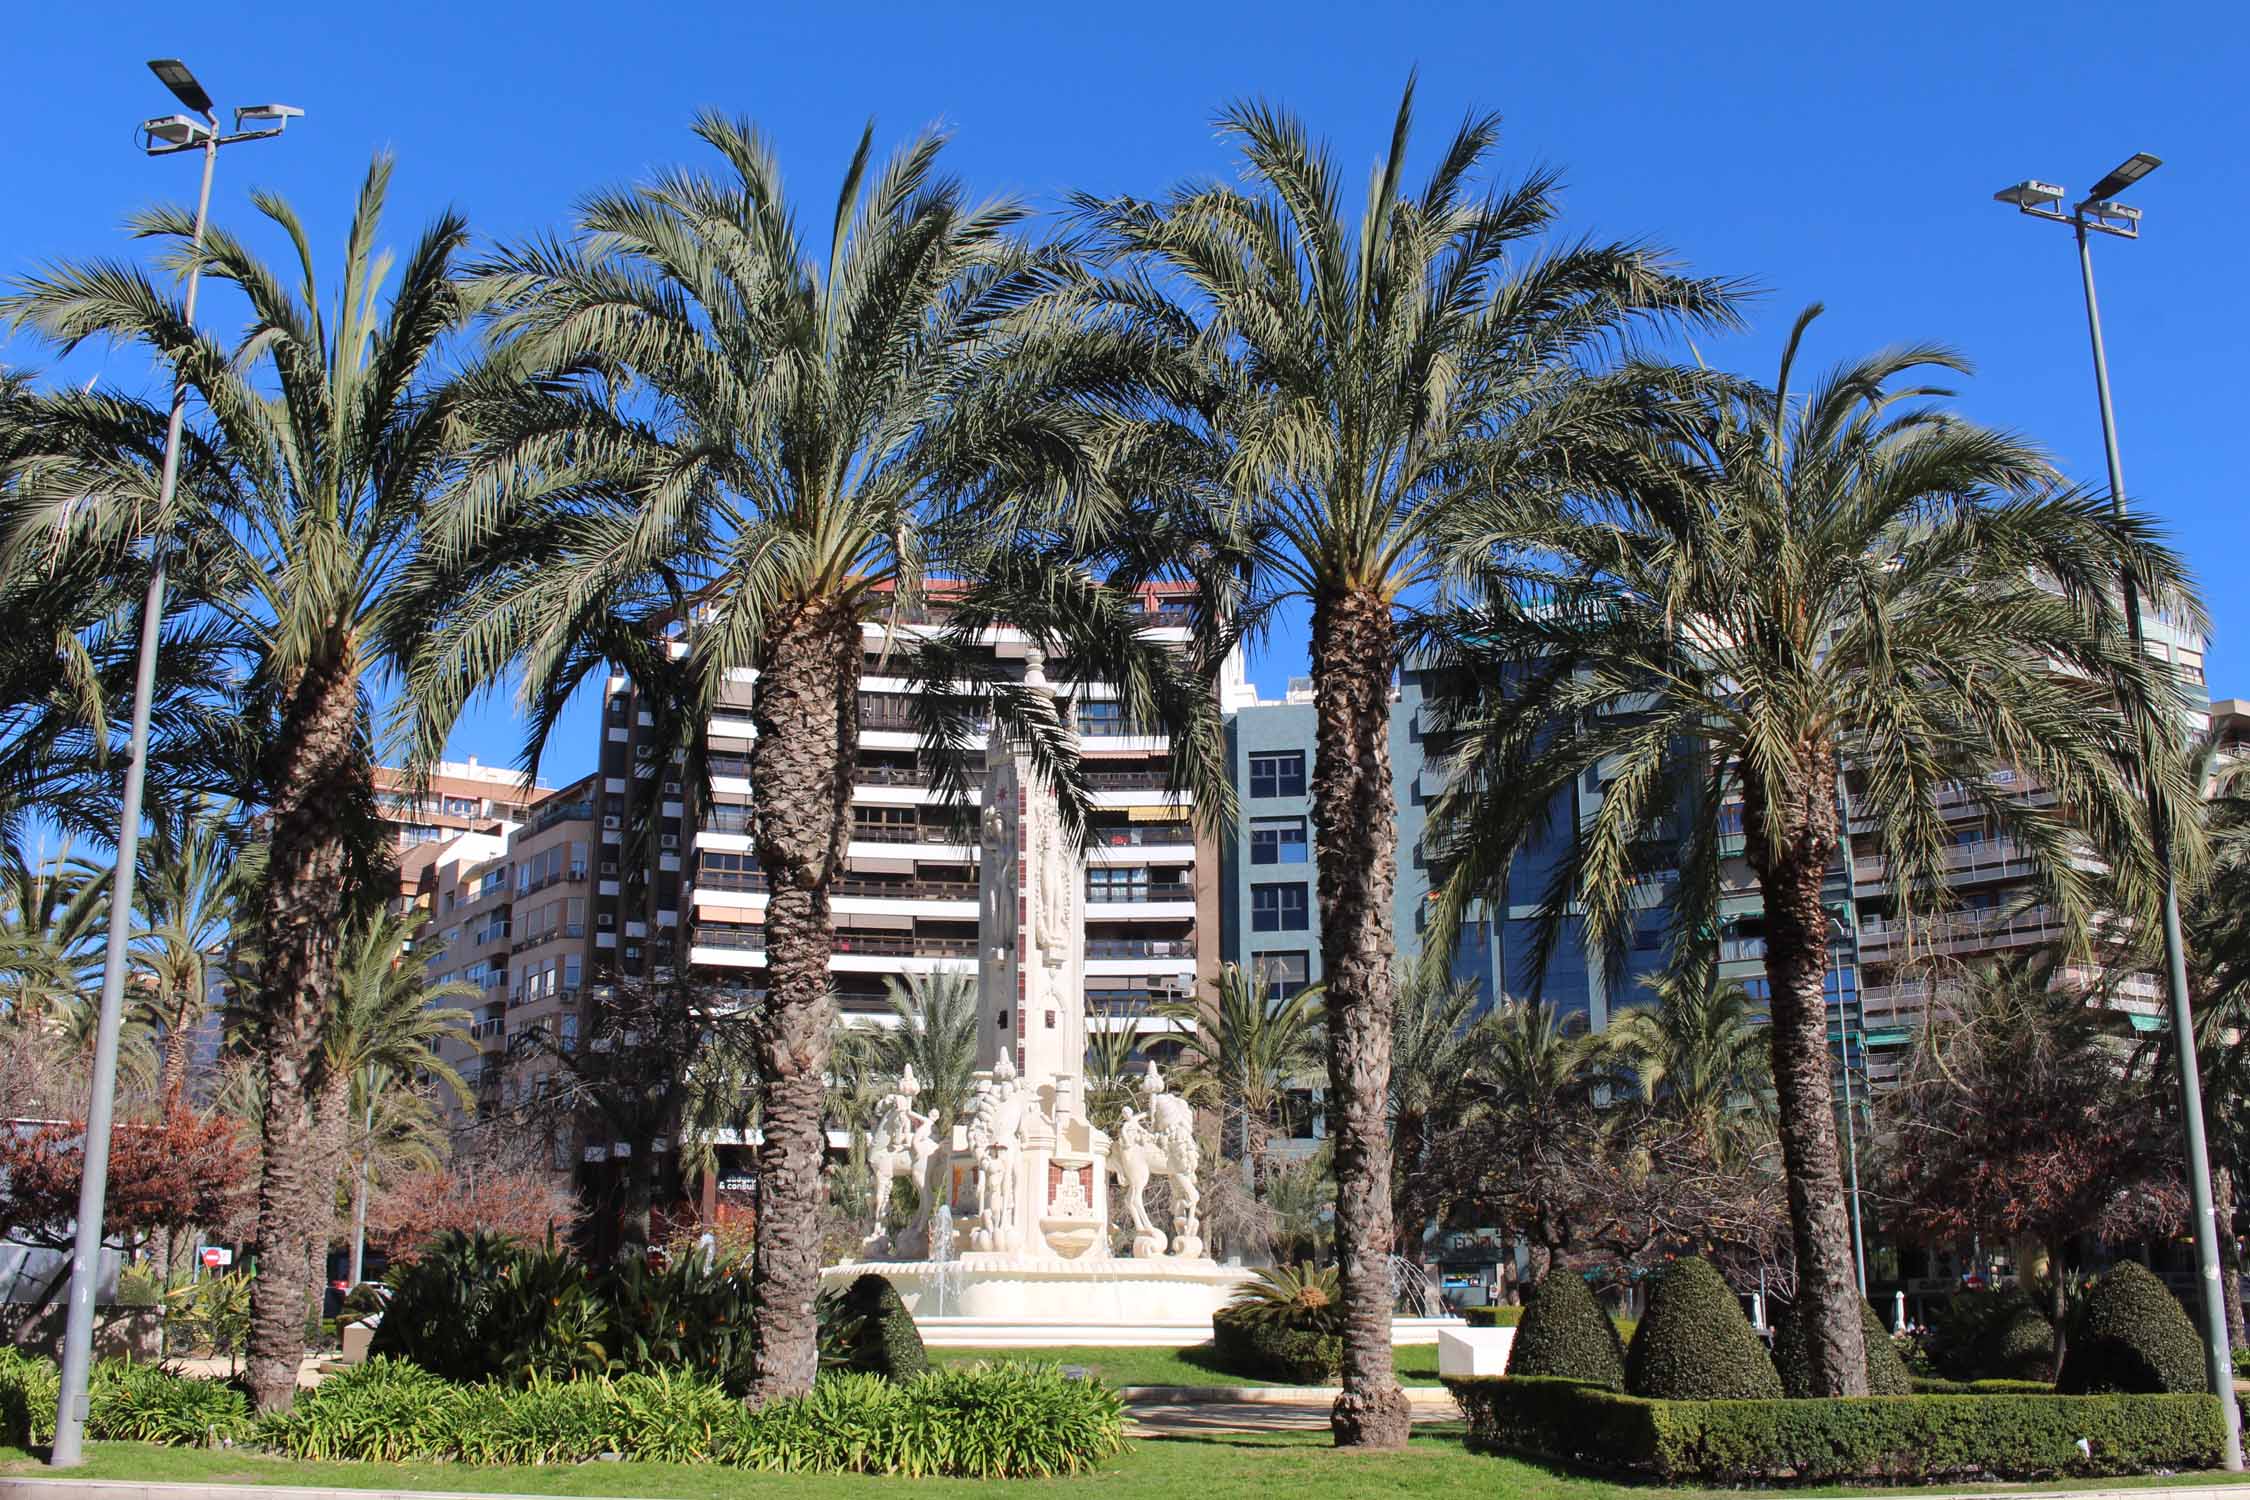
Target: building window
1278 908
1129 883
1277 841
1285 974
1279 773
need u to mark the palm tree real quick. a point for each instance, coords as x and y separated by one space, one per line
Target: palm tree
1699 1048
311 449
1342 388
186 889
1243 1052
708 442
386 1021
936 1036
1538 1077
1793 581
51 915
1437 1057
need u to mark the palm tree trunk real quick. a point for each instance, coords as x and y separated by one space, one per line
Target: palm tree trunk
319 777
807 715
331 1116
1355 814
1789 849
178 1039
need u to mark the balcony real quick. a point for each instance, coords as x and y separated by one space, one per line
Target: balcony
912 946
488 1031
911 890
485 936
730 880
1139 948
1126 781
567 997
1141 835
912 833
552 814
574 876
571 931
1957 933
1107 895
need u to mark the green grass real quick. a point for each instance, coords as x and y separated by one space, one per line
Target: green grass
1216 1464
1417 1364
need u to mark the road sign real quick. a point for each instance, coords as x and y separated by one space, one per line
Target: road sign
216 1256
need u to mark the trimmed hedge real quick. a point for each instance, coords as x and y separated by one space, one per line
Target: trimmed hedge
1694 1344
2132 1335
1263 1350
1492 1317
886 1342
1924 1386
1886 1372
1887 1438
1565 1335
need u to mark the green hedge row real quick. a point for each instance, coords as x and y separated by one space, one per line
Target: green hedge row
975 1421
1260 1350
1888 1438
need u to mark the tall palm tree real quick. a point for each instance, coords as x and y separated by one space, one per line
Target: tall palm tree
1340 388
1243 1051
1698 1047
312 444
187 887
51 914
936 1035
1793 581
709 440
1437 1059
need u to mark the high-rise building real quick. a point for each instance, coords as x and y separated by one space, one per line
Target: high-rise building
906 901
459 797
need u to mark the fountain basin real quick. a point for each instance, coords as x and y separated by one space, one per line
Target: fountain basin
995 1299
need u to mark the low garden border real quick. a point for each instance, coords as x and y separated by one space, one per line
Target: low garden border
2013 1435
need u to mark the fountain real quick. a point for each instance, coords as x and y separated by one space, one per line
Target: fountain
1027 1175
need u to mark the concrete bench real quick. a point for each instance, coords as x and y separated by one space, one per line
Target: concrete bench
1474 1351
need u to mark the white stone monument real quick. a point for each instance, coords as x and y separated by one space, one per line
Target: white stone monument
1027 1176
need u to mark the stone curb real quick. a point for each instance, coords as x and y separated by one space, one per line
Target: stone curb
1251 1395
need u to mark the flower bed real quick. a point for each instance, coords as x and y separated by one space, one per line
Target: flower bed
1888 1438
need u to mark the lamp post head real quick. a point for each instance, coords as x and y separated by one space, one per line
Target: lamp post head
2031 195
174 75
2127 172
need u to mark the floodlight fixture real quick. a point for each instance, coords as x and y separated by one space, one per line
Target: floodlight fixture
268 119
174 75
2127 172
170 133
2031 195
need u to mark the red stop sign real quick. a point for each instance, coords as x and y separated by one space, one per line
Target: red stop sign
213 1258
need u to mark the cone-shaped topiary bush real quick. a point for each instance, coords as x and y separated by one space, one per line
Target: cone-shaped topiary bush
1886 1372
1564 1332
2018 1343
1694 1344
2132 1335
886 1342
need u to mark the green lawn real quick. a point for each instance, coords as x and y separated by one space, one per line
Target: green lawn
1213 1466
1417 1364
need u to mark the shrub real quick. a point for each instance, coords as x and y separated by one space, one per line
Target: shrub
1302 1299
1915 1438
1991 1336
1924 1386
1886 1372
1566 1335
1492 1317
29 1389
883 1339
2132 1335
1695 1344
2242 1364
149 1404
1268 1350
987 1422
440 1312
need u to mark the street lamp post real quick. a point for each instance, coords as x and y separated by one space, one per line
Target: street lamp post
2100 212
166 136
1851 1148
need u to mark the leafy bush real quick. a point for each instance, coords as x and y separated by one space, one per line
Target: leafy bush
1914 1438
210 1315
1302 1299
1991 1336
1265 1349
29 1388
987 1422
884 1340
140 1284
1695 1344
2242 1364
1886 1372
1566 1335
2132 1335
1493 1317
440 1315
127 1403
149 1404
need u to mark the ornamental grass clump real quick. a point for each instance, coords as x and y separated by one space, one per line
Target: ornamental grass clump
149 1404
2132 1335
1886 1372
1695 1344
1565 1333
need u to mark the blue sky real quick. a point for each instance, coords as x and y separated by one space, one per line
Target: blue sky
1845 154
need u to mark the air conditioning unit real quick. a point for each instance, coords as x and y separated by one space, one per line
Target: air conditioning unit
609 867
669 841
605 920
671 789
612 821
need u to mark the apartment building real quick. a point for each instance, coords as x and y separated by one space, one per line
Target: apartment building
460 797
906 900
510 915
